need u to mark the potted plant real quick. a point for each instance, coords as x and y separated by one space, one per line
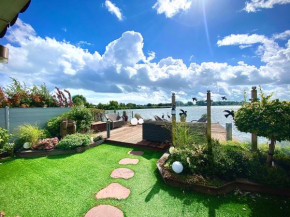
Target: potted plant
125 117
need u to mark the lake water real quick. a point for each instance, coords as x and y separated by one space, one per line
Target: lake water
194 113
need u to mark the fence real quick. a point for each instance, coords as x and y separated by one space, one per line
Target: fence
11 118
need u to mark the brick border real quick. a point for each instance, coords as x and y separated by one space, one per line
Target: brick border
42 153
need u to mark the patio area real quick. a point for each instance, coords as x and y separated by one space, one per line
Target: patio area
132 136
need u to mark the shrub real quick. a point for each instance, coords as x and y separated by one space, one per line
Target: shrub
29 133
4 137
267 118
7 149
53 126
73 141
98 138
138 116
82 116
46 144
97 114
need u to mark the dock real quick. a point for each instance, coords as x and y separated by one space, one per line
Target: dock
131 136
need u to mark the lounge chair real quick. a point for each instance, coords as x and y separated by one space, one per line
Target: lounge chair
115 119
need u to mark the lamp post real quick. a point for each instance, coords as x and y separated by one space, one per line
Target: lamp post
209 121
173 116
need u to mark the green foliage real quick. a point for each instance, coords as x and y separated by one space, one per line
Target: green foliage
184 136
17 94
73 141
29 133
98 138
7 149
138 116
82 116
267 118
53 126
233 160
4 137
97 114
79 100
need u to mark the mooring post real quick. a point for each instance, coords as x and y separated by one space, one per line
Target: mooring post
208 128
254 136
7 124
229 129
173 117
108 129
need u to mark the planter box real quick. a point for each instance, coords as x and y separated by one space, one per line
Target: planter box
242 184
42 153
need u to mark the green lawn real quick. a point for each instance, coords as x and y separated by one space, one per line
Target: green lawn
66 185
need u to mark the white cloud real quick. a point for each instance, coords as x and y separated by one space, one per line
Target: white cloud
125 73
282 36
171 7
256 5
113 9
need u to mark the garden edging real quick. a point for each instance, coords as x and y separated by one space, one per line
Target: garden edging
42 153
242 184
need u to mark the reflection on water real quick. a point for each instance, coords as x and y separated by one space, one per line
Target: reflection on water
194 113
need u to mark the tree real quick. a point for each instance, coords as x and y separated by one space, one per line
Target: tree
113 105
189 103
267 118
79 100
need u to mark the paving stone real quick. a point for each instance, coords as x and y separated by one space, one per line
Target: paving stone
126 161
123 173
136 153
104 211
115 191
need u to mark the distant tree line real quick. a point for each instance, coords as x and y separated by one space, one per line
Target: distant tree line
114 105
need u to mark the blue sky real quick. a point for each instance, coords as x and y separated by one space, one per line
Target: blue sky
141 51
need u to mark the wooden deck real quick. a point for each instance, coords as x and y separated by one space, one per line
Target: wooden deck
132 136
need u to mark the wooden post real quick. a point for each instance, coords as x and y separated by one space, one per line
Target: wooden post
7 121
254 136
173 117
208 129
229 128
108 129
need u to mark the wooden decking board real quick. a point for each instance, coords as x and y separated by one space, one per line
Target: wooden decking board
132 136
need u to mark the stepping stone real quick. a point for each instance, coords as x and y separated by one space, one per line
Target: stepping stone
123 173
126 161
136 153
115 191
104 211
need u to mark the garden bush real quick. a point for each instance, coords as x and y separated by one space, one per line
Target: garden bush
73 141
18 95
4 137
28 133
82 116
231 160
53 126
98 138
46 144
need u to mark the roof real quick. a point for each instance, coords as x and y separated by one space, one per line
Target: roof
9 10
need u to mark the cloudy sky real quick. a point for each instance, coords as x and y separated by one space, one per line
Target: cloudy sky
142 51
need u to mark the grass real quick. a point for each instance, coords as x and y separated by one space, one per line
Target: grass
65 186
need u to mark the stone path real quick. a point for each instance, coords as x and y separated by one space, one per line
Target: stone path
123 173
104 211
126 161
115 190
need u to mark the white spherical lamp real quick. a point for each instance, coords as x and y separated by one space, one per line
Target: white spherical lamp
177 167
26 145
134 121
140 121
